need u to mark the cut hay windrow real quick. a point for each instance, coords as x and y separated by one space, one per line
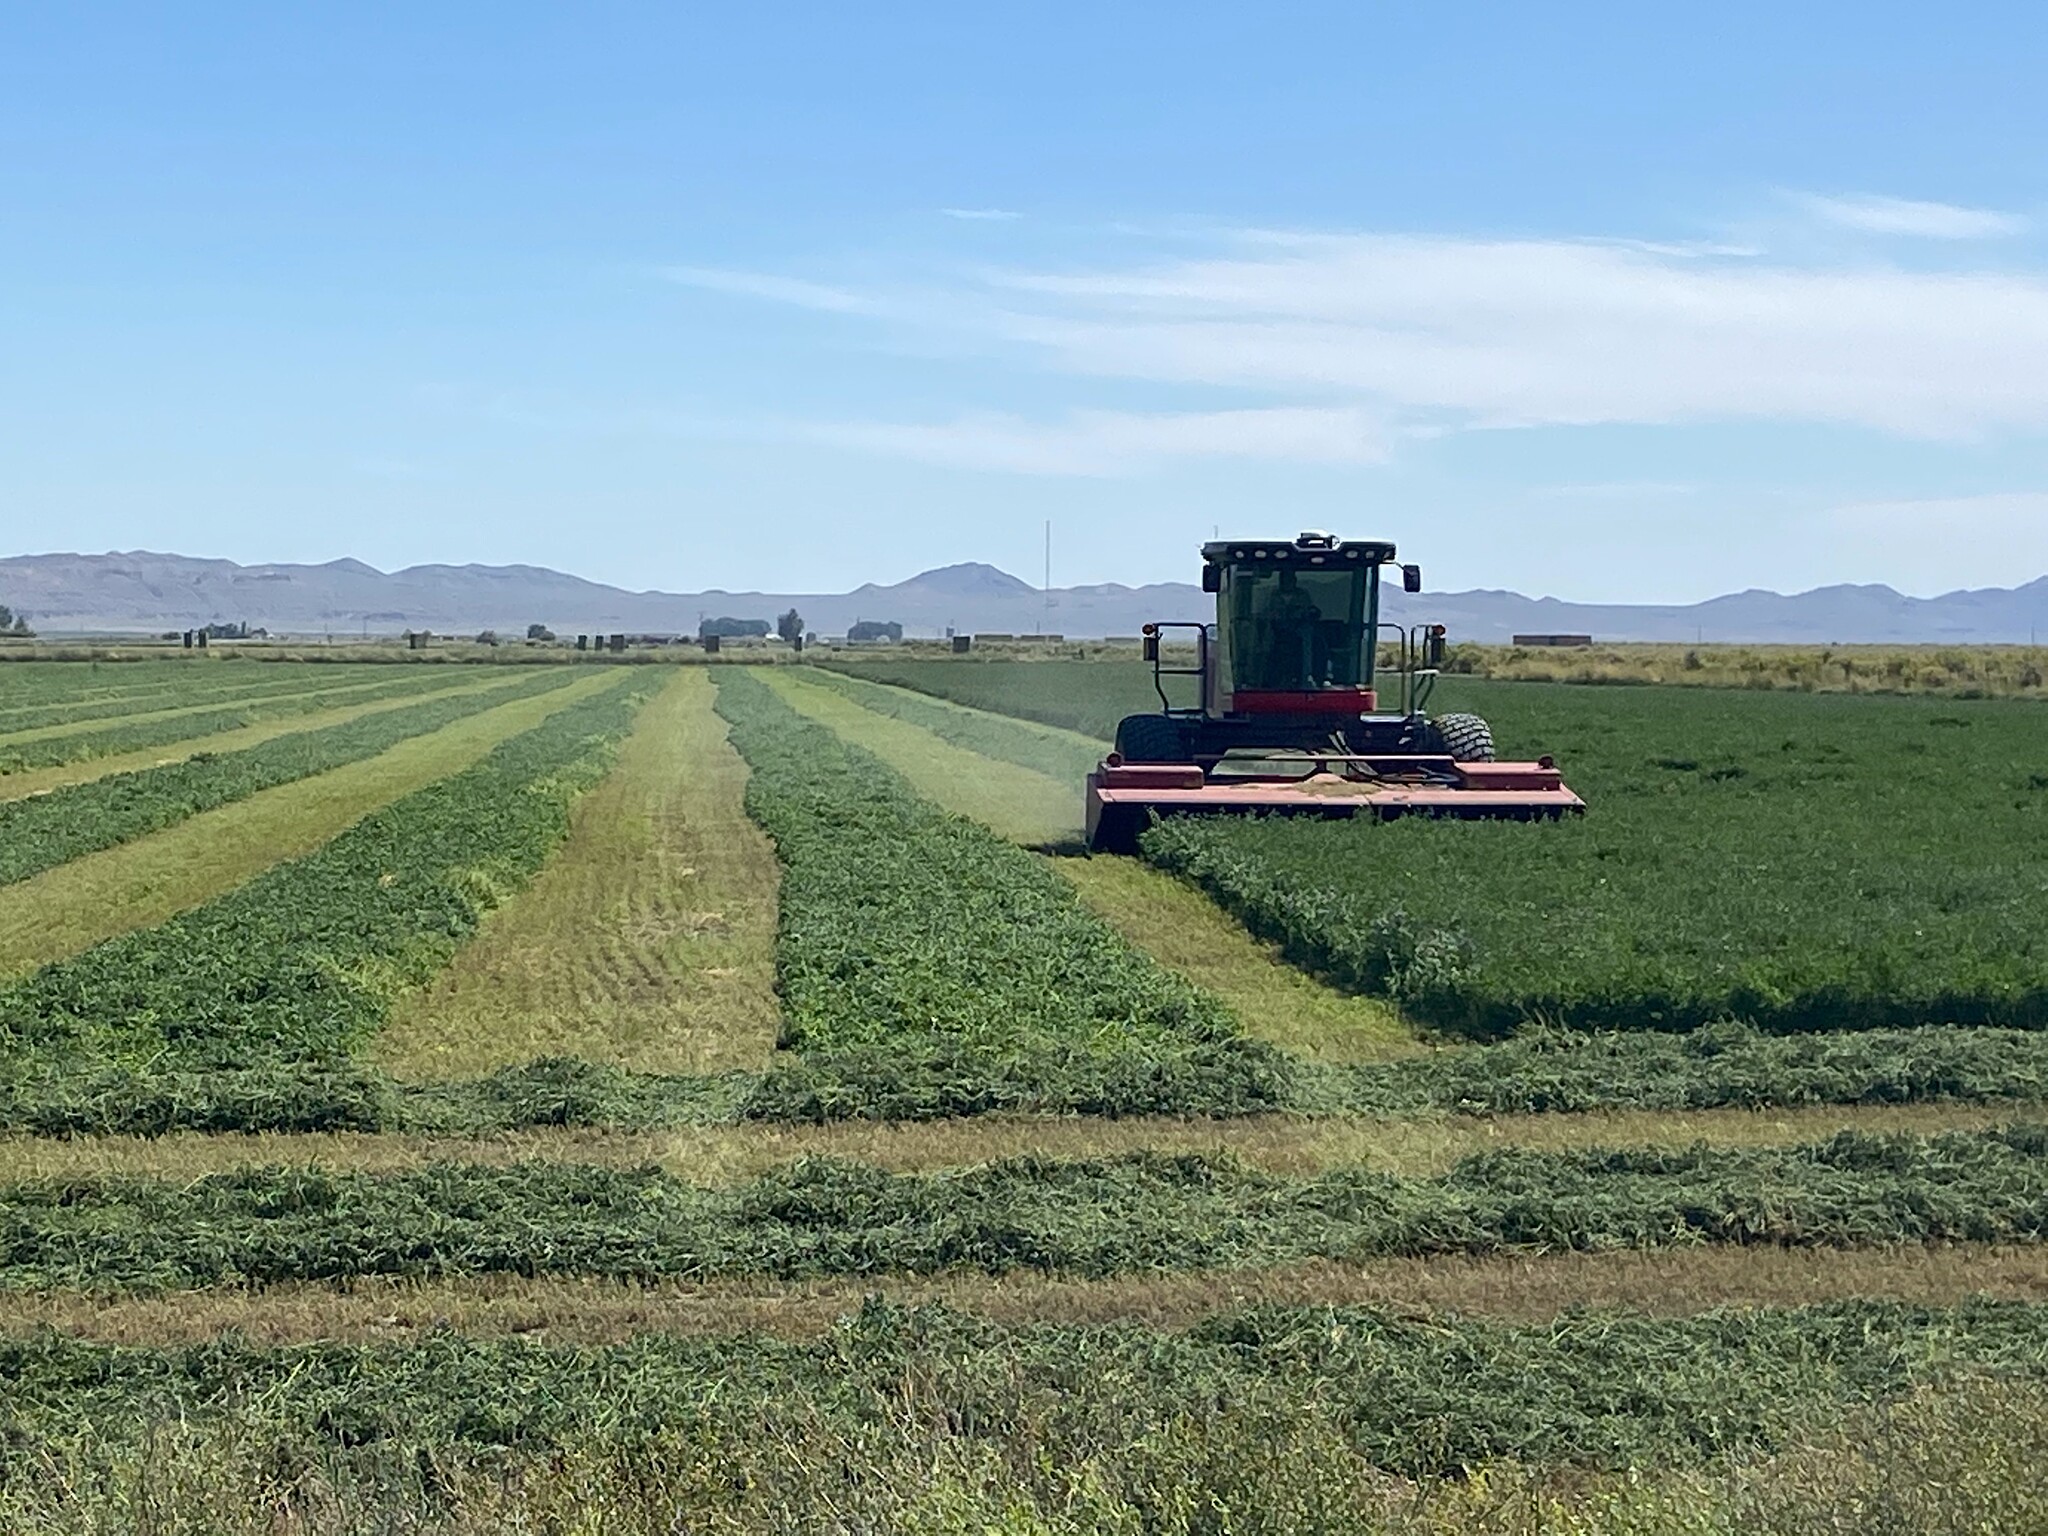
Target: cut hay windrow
1063 755
1320 1394
318 689
181 688
1089 1217
46 830
926 965
295 968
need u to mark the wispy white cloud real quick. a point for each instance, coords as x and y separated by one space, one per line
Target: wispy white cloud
989 214
1536 332
1906 216
1426 334
1107 443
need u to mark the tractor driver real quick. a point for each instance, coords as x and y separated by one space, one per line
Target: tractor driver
1291 624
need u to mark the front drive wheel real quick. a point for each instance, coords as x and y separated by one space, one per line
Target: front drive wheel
1151 739
1463 738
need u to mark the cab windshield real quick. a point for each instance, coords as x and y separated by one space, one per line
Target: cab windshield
1294 629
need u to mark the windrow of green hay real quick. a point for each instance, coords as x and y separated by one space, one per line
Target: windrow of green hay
307 693
277 982
1066 1409
1065 755
1083 697
921 1454
1016 803
928 966
1091 1217
648 940
41 832
997 770
174 688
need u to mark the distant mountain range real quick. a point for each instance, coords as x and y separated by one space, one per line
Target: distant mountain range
141 592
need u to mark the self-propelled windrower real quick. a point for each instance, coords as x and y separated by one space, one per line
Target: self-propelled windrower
1287 715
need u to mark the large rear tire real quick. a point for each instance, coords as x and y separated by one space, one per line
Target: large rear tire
1467 738
1152 739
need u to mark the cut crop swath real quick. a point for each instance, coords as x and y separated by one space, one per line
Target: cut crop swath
43 831
104 740
295 968
927 966
1094 1217
181 688
1056 754
1078 1404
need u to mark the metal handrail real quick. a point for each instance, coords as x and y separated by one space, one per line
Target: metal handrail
1199 670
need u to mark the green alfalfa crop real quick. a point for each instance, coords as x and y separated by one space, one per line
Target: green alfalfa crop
1089 1217
294 969
42 831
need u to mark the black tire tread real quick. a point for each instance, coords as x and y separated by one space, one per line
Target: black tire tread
1467 738
1151 739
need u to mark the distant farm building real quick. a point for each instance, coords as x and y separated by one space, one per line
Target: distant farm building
1562 640
874 629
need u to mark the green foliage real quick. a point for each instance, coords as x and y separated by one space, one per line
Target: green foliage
1804 862
921 946
334 690
174 686
42 831
1084 696
1092 1217
1722 1066
296 967
1067 1404
1057 755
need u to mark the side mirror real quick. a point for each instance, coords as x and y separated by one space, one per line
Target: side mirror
1411 578
1152 646
1433 647
1212 578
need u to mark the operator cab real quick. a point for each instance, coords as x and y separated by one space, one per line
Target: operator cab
1290 662
1297 624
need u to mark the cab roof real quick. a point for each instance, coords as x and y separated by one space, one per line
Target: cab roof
1308 549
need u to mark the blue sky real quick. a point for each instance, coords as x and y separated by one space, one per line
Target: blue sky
1614 303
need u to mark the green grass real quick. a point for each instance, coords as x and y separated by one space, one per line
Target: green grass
1804 862
171 719
46 830
1801 861
925 959
295 968
1090 1218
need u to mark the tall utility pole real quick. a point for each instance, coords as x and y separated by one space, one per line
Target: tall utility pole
1045 624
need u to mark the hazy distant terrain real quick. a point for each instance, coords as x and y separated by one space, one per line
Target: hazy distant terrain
142 592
